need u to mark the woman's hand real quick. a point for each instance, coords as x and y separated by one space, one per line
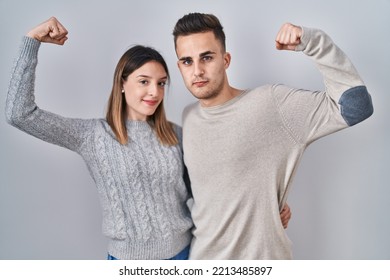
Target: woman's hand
285 215
50 31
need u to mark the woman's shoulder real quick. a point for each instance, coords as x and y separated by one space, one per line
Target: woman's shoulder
99 126
177 128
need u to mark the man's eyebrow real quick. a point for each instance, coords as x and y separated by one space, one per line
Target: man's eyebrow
184 58
206 53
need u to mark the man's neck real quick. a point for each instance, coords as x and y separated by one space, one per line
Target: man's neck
223 97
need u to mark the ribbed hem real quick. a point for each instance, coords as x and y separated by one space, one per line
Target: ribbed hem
157 250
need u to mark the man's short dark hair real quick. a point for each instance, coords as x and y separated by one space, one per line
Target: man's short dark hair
198 23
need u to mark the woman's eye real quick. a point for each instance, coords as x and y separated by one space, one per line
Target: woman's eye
143 82
163 84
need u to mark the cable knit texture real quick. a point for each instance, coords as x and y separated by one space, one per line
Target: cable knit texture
140 185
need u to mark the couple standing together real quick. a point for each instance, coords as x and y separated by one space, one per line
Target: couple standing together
236 155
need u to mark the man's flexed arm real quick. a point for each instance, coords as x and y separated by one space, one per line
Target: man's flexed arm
342 82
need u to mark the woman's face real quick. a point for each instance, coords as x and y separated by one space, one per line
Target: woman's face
144 90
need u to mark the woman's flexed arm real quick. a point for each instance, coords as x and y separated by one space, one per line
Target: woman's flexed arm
21 109
49 31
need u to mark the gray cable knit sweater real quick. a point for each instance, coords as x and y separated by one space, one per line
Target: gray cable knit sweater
140 185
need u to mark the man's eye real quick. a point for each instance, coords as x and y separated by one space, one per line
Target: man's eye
207 57
187 62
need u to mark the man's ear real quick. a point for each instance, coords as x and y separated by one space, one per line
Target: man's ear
227 58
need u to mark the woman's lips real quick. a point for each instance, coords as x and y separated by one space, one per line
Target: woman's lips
151 102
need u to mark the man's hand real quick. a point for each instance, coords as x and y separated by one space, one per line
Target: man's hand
285 215
50 31
289 37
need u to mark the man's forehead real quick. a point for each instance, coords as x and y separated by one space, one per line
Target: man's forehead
197 45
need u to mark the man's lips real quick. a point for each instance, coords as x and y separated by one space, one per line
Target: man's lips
200 83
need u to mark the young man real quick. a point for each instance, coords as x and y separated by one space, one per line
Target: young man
242 147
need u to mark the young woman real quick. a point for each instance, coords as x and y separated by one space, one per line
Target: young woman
134 155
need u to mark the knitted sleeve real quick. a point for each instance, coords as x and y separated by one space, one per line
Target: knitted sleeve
179 134
22 112
310 115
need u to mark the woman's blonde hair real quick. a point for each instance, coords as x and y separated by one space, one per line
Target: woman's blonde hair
116 115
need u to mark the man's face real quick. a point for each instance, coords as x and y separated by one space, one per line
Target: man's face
203 63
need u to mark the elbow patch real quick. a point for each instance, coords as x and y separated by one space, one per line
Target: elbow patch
356 105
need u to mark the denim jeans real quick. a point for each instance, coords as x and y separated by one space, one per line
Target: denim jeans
183 255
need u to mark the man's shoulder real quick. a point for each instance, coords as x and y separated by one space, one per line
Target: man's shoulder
258 92
190 107
262 88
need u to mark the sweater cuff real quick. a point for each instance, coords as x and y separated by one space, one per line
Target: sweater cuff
29 47
305 38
